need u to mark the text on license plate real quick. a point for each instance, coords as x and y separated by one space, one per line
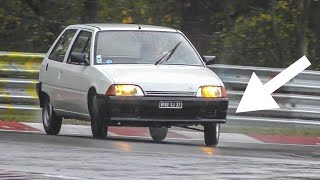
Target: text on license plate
170 104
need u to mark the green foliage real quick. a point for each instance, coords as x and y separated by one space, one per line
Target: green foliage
141 11
262 37
260 33
33 25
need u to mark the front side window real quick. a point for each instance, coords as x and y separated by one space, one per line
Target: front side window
60 49
81 44
144 47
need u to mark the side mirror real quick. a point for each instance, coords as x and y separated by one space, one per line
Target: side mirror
209 59
80 58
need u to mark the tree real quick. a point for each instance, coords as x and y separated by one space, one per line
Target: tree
89 12
260 33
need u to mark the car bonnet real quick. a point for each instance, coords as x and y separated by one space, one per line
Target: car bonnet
176 78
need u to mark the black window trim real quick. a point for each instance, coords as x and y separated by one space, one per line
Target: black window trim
72 45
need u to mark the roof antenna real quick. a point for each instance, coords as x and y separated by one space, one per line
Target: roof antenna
135 22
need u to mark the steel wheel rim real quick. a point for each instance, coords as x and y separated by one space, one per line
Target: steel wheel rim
46 116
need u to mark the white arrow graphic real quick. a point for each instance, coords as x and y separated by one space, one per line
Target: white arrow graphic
258 96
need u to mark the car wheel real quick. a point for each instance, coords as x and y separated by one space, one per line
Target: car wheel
51 122
158 134
99 126
212 134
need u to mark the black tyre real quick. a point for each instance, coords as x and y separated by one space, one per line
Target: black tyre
158 134
99 126
211 134
51 122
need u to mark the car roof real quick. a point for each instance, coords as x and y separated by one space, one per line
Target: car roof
113 26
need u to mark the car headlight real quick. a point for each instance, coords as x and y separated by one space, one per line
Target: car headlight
124 90
212 91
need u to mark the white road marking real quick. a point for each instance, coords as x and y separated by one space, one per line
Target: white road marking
68 129
10 130
38 126
5 127
61 176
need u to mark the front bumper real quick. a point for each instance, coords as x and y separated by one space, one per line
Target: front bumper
146 109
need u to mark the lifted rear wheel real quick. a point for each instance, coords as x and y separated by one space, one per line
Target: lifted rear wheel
212 134
51 122
158 134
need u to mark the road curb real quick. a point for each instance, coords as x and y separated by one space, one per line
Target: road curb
136 132
16 126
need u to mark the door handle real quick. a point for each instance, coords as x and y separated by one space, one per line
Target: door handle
59 74
47 66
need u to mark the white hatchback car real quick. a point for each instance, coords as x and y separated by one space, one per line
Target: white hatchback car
130 75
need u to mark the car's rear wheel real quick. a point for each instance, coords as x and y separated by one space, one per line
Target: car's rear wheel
99 126
51 122
158 134
212 134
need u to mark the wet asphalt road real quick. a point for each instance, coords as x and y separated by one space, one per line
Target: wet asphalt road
81 157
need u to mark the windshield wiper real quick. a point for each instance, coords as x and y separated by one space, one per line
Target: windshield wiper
168 54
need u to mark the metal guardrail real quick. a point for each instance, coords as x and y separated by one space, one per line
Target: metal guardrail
299 99
18 78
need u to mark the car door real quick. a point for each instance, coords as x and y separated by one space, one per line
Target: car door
53 63
75 80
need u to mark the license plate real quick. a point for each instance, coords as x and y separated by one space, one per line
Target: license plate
170 104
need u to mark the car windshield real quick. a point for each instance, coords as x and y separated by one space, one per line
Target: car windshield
144 47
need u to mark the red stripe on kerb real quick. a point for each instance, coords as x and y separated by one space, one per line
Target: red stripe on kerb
302 140
15 126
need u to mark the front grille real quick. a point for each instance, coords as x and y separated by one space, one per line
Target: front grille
170 93
124 110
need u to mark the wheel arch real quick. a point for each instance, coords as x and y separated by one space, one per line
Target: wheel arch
42 96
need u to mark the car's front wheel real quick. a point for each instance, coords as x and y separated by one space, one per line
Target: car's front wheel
158 134
99 126
51 122
212 134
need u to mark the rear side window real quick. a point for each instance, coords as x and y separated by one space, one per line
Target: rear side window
60 49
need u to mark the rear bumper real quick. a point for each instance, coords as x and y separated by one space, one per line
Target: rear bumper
146 109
